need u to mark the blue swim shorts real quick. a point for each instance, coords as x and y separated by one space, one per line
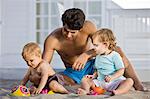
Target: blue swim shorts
78 75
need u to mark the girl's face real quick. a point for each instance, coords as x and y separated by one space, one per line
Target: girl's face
100 47
33 61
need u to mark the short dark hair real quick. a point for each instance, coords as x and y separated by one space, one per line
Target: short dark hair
74 18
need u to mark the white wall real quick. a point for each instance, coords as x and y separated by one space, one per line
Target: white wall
17 29
0 26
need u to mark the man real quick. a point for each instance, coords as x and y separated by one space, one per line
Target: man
72 43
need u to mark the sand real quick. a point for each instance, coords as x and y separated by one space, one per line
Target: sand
132 94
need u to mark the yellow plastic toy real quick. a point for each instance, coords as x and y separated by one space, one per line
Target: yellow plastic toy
50 93
24 91
20 91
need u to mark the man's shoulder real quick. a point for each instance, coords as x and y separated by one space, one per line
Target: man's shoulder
57 32
88 23
55 35
53 39
89 27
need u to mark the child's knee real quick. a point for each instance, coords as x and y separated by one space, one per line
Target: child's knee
84 79
53 85
130 80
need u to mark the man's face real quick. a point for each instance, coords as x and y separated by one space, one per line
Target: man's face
68 33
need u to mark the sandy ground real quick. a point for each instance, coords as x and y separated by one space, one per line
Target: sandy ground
132 94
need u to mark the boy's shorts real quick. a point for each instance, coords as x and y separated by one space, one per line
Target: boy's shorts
78 75
56 77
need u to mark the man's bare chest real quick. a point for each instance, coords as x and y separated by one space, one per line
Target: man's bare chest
73 49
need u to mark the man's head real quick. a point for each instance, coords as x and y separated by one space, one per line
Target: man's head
74 18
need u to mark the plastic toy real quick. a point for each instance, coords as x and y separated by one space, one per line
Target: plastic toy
24 91
20 91
45 91
51 92
99 90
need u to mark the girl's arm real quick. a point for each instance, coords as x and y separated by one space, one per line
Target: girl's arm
117 74
95 74
92 76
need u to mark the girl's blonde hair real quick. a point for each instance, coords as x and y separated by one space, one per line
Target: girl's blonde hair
31 49
106 36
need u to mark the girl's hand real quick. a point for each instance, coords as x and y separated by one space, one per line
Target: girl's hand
107 78
90 76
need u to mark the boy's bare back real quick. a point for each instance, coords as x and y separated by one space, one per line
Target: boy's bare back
43 69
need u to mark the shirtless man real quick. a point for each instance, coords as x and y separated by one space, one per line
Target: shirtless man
72 43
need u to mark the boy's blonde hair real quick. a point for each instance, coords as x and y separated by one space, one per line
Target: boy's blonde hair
106 35
31 49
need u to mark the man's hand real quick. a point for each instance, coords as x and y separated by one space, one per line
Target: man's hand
80 62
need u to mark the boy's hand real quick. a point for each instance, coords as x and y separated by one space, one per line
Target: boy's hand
90 76
32 89
108 78
37 91
13 89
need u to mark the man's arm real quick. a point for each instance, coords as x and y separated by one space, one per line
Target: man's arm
125 60
130 71
89 28
49 47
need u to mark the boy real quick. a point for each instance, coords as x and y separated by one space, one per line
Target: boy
40 73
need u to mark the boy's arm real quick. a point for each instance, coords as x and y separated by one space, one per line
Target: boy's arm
44 77
26 78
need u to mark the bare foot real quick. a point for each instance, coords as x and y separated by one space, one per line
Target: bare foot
114 92
64 91
140 87
81 91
